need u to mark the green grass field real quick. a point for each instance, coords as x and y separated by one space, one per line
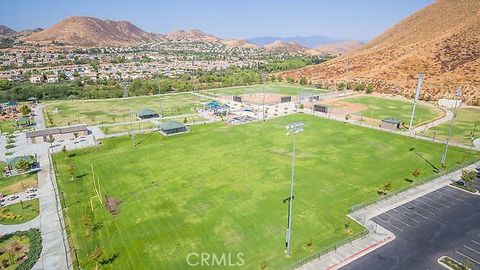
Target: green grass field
19 212
278 88
463 127
219 189
116 110
381 108
15 184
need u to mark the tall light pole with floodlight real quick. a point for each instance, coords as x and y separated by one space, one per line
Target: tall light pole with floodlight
294 128
458 95
417 95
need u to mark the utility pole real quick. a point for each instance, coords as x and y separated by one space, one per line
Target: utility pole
417 95
294 128
160 100
458 94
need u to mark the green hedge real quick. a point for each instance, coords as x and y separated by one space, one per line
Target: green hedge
34 250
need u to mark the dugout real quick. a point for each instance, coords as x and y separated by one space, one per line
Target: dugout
391 124
285 99
320 108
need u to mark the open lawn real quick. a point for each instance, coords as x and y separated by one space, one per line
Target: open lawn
15 184
220 189
277 88
8 127
381 108
138 126
19 212
116 110
463 127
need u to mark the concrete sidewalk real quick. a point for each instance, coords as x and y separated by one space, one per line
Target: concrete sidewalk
378 236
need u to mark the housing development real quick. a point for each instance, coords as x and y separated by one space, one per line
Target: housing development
127 149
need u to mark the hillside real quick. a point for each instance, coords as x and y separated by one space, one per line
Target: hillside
6 31
88 31
440 40
192 35
288 47
340 47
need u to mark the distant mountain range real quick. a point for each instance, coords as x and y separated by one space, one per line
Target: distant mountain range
308 41
94 32
442 41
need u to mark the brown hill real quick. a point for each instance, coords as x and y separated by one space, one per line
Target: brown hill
88 31
193 35
440 40
239 43
287 47
341 47
6 31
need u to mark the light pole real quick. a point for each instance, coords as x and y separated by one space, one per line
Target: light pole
458 94
417 95
294 128
263 107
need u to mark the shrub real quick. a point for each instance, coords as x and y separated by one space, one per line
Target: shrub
10 146
35 248
369 89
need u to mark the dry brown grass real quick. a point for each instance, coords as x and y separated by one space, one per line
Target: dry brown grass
441 41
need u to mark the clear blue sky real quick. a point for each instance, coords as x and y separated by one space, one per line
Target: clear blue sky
357 19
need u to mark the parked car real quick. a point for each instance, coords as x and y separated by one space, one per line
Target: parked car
460 183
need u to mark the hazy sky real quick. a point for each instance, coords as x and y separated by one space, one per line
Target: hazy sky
356 19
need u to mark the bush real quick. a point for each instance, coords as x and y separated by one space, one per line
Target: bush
369 89
35 248
9 146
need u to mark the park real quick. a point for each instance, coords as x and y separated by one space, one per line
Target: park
221 189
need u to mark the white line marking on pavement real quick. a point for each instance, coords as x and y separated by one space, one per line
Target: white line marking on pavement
418 221
398 219
451 196
467 257
418 201
455 192
467 247
475 242
424 209
414 212
446 205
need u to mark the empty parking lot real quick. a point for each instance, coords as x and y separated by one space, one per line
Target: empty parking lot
444 222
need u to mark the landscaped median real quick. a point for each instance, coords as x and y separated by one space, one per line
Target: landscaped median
19 213
20 250
452 264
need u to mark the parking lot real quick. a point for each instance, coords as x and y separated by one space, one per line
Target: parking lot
445 222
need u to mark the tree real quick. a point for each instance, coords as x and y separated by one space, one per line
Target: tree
303 80
415 173
23 165
97 256
25 110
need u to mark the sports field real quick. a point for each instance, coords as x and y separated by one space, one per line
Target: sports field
464 129
381 108
220 189
116 110
277 88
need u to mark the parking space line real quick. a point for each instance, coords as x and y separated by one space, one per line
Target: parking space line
470 258
451 196
418 221
475 242
386 213
414 212
474 250
418 201
443 204
455 192
424 209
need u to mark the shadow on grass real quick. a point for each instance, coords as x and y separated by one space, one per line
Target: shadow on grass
144 139
435 168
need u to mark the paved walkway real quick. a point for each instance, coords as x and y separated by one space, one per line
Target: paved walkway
39 121
54 252
377 236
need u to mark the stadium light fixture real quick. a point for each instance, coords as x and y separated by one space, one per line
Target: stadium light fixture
294 128
458 95
417 96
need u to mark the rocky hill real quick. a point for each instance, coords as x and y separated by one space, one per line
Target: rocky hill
288 47
440 40
6 31
88 31
192 36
